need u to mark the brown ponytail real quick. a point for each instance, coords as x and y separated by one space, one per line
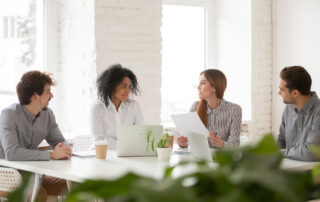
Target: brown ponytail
202 112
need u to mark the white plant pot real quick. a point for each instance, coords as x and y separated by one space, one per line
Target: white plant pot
164 154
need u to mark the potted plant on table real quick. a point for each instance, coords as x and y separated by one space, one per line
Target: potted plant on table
161 144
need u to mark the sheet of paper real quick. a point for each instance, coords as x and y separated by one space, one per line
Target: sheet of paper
85 153
189 122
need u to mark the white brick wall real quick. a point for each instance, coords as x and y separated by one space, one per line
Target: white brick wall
74 73
262 67
128 32
94 34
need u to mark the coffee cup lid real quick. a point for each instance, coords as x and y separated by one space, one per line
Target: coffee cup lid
101 142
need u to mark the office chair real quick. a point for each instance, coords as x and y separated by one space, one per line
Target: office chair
82 143
10 179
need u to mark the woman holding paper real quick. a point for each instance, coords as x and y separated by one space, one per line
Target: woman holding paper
114 107
222 118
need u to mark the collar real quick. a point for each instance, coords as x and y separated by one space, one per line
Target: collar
28 114
308 106
217 109
112 106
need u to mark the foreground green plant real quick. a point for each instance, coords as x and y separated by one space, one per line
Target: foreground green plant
248 174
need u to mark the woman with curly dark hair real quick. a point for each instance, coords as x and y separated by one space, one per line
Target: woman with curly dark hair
114 107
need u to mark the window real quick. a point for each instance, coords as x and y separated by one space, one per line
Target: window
201 34
183 57
21 39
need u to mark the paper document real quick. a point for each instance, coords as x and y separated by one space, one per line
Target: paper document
189 122
84 153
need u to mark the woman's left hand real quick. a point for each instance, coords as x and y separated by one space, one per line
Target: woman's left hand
216 140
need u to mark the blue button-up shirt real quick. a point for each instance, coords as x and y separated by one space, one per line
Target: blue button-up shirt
300 129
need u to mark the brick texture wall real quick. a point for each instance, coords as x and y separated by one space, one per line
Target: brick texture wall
128 32
262 67
75 72
93 34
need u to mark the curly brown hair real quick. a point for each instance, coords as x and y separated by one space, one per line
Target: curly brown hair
32 82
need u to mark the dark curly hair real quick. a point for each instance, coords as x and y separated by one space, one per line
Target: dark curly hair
32 82
111 77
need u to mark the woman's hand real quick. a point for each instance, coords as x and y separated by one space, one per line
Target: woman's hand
216 140
182 141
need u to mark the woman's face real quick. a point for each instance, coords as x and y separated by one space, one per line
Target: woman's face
122 90
205 90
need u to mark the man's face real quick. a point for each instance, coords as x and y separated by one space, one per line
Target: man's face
285 93
43 100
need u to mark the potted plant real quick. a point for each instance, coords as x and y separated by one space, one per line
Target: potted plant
162 145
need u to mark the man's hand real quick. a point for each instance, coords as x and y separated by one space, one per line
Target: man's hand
216 140
61 152
182 141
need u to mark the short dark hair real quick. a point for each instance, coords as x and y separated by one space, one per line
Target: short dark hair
111 77
32 82
297 78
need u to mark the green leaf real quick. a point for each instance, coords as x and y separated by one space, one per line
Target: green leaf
266 146
316 173
315 149
152 144
168 172
148 136
91 189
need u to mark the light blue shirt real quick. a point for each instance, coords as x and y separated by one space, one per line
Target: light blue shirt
300 129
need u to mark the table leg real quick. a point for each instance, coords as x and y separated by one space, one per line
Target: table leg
69 185
35 186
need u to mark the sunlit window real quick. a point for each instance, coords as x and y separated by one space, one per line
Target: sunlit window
200 35
183 58
21 39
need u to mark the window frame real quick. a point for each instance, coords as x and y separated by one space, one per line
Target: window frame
208 6
209 37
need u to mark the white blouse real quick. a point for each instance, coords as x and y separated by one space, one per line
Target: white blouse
106 120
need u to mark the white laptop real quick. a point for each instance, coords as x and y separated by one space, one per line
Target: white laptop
132 140
199 146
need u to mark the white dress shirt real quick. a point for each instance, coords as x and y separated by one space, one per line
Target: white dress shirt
106 120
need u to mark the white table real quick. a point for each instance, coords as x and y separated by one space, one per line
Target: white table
289 164
79 169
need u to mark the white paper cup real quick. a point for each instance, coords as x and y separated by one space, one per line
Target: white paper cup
101 149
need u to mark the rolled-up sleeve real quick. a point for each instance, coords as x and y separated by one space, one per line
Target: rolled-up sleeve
302 152
54 134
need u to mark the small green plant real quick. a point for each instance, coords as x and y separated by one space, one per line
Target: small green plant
160 141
